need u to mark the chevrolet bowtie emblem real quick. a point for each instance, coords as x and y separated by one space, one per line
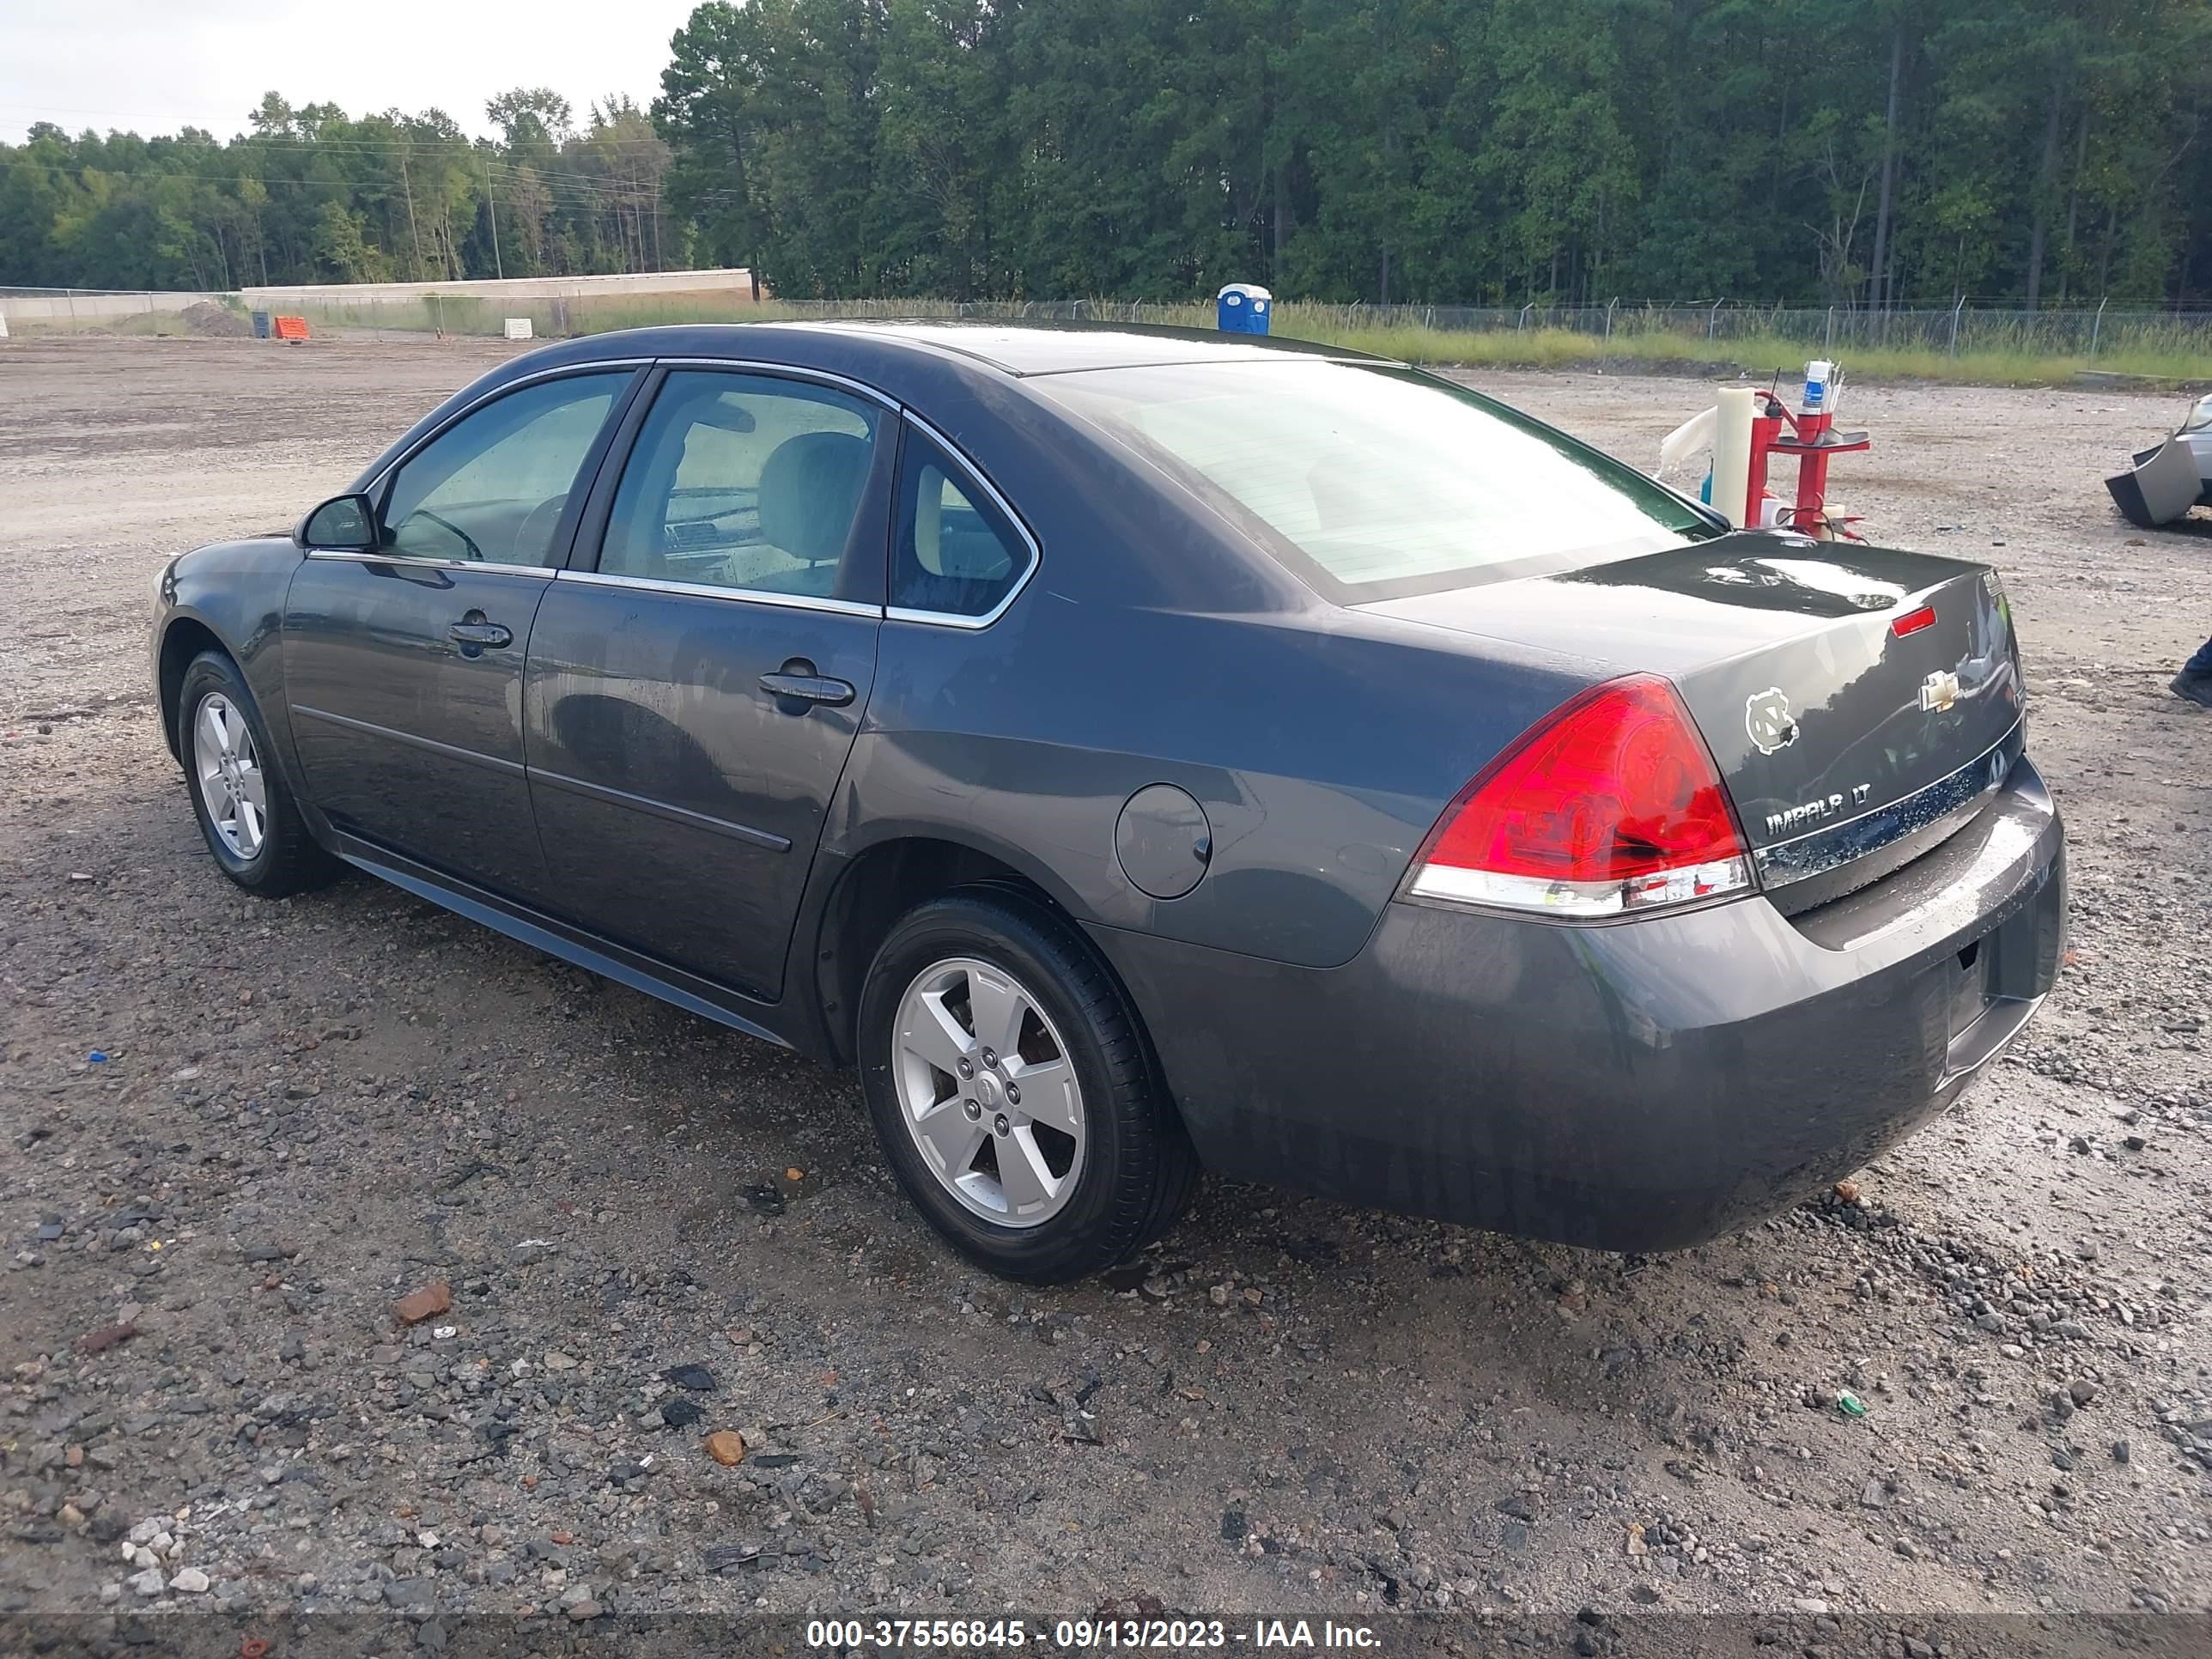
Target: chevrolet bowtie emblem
1939 691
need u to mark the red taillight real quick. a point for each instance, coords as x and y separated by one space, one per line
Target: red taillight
1913 621
1612 805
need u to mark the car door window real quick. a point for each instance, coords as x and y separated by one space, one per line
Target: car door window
491 488
955 553
748 482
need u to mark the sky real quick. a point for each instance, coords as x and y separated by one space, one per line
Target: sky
152 66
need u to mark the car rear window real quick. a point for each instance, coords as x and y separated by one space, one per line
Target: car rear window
1372 482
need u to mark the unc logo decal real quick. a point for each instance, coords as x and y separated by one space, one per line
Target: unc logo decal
1766 716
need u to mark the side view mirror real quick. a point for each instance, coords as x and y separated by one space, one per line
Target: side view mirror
343 524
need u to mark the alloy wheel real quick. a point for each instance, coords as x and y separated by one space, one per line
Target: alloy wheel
988 1092
232 785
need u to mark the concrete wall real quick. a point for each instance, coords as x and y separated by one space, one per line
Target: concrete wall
736 281
69 307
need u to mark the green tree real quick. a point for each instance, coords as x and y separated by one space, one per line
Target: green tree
1866 152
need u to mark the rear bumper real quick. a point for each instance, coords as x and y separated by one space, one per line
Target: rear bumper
1643 1085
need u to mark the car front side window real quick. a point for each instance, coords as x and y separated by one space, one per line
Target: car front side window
750 483
491 488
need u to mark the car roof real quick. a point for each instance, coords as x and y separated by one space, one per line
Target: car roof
1060 348
931 364
1018 348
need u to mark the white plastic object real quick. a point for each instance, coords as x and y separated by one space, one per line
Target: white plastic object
1732 454
1817 375
1684 442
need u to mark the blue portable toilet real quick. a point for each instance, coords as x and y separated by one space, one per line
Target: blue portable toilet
1243 309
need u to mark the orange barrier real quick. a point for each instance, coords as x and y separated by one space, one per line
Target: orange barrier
291 328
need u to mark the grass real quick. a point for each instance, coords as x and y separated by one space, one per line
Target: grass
1757 356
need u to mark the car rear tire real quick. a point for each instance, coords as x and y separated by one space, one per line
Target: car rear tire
1014 1092
244 810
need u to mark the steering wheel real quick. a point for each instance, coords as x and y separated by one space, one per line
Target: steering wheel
467 540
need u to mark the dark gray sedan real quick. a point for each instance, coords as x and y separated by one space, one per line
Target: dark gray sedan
1144 750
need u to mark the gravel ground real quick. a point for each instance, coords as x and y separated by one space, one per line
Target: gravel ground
240 1132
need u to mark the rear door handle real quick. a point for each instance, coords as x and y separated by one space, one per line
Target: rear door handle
798 684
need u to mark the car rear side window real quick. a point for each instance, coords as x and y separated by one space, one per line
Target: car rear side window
748 481
955 555
1371 481
491 486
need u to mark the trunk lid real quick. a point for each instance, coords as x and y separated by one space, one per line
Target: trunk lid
1837 737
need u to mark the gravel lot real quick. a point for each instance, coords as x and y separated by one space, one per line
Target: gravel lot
306 1111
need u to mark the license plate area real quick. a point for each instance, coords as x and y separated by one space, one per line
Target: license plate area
1971 993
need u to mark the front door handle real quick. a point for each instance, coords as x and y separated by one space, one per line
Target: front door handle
474 635
798 687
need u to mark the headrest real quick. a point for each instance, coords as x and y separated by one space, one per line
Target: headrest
809 491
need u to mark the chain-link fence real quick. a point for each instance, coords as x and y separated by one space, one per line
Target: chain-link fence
2063 331
2084 331
594 305
2052 331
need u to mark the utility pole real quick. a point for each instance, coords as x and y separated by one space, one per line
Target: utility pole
491 203
413 234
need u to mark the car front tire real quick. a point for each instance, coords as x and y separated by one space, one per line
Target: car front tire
1013 1090
244 810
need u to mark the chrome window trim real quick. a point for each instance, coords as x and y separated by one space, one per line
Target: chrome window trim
712 590
974 475
786 371
375 485
1784 862
543 572
971 472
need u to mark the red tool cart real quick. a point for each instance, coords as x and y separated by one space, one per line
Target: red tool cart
1811 435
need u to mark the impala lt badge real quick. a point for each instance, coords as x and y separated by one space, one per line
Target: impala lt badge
1939 691
1819 810
1766 716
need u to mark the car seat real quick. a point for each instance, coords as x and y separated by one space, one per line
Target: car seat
810 490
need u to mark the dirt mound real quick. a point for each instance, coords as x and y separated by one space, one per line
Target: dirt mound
205 316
